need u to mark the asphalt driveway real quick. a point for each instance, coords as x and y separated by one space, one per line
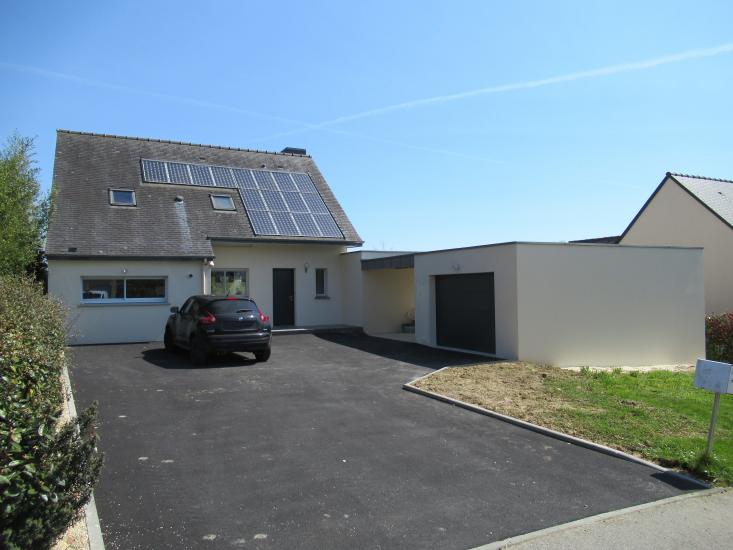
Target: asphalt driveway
321 448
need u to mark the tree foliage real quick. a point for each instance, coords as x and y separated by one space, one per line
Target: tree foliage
23 212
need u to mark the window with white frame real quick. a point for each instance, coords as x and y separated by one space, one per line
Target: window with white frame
122 197
321 281
124 289
229 282
222 202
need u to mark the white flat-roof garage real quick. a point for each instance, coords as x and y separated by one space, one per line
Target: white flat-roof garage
564 304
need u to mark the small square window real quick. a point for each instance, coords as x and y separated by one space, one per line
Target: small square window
321 281
222 202
122 197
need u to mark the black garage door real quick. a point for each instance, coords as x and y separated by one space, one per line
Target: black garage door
464 311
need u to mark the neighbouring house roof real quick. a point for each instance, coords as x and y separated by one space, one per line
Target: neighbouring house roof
84 224
715 194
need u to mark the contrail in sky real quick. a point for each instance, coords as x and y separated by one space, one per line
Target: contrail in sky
223 107
525 85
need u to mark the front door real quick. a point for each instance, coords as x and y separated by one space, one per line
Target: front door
283 297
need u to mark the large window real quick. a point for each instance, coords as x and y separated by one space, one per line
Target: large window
321 282
119 290
229 282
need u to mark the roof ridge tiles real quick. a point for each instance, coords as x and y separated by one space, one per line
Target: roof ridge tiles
174 142
698 177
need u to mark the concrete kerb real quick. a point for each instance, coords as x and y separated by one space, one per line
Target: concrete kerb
94 529
585 522
410 386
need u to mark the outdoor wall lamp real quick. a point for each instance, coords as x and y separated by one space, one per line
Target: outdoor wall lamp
306 265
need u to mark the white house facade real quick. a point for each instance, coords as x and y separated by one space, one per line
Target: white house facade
140 225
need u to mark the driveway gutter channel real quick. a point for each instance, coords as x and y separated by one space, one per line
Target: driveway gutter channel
410 386
94 529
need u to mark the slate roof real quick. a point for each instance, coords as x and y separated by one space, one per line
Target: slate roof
87 165
715 194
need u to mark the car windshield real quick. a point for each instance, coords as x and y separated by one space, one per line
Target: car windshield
230 305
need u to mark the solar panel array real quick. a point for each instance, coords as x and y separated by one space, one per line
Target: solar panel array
277 203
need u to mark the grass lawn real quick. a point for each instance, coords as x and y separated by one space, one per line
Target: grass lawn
658 415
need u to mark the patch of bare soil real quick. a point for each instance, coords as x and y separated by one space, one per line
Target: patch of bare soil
512 388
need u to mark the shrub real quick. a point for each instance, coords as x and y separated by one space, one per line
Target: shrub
719 337
47 470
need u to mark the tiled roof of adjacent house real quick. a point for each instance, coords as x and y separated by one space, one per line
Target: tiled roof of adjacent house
84 224
716 194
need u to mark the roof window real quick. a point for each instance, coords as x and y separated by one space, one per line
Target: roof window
122 197
222 202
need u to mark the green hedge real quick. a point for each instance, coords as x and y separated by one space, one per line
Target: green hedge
47 470
719 337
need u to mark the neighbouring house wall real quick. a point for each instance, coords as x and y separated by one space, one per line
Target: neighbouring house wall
500 259
352 289
116 323
673 217
389 296
260 259
609 305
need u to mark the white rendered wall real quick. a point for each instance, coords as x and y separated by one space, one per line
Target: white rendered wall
610 305
673 217
117 323
260 259
352 290
499 259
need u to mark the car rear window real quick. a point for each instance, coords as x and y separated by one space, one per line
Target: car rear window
229 305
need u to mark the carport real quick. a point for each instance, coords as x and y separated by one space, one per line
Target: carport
380 289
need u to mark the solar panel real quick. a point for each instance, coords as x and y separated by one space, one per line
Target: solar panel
201 175
264 180
327 226
154 170
284 182
277 203
284 223
223 176
253 199
262 223
274 201
244 178
304 183
315 203
178 173
307 225
295 202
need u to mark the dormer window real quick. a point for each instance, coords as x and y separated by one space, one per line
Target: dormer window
122 197
222 202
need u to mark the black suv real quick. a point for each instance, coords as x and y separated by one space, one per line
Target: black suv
218 324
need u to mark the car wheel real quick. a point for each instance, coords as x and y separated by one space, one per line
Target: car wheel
199 353
262 356
168 342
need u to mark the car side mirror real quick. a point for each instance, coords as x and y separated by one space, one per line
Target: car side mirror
174 309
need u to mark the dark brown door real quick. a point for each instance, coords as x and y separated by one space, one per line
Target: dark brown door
464 311
283 297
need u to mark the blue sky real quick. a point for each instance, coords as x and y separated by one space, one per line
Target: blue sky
530 157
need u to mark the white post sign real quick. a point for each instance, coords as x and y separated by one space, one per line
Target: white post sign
716 377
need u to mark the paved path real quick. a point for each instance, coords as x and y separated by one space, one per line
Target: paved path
701 520
321 448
